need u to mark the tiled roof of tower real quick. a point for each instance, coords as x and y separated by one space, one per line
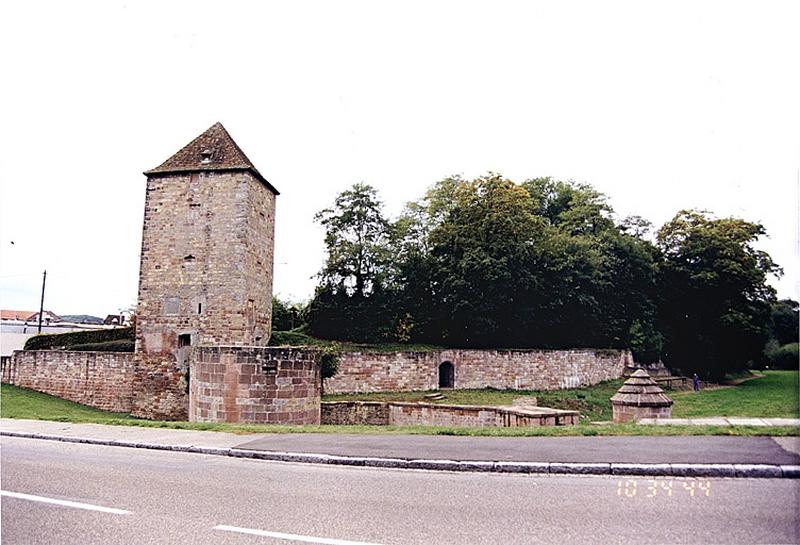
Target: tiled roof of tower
212 150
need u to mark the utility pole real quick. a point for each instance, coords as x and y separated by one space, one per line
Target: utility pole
41 305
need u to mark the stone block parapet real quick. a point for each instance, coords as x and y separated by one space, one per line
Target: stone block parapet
254 384
361 372
434 414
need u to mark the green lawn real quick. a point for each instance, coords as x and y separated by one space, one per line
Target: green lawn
22 403
774 395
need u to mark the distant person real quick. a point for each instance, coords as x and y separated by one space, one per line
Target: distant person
696 382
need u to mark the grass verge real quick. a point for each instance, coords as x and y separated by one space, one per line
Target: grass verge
18 402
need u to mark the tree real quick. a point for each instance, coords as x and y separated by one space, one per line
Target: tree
350 303
600 276
355 237
410 279
716 302
783 322
571 207
782 345
286 315
483 262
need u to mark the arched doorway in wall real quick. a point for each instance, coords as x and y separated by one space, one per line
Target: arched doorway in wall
447 375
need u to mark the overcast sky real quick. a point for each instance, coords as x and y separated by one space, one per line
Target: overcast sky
661 106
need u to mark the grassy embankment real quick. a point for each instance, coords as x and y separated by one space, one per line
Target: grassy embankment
774 395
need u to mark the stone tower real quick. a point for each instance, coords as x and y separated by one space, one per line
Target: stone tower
205 276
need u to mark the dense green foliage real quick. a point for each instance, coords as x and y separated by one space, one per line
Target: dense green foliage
286 315
70 340
493 263
121 345
782 350
717 303
292 338
782 356
784 326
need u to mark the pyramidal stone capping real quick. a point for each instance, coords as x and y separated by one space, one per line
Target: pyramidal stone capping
640 397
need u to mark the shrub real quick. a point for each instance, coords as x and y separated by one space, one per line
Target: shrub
329 361
68 340
782 357
122 345
292 338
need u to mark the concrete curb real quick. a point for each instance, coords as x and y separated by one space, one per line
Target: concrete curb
758 471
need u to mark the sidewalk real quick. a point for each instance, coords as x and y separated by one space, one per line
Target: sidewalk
722 421
667 456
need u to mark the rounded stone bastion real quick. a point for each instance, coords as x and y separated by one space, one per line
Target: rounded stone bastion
254 384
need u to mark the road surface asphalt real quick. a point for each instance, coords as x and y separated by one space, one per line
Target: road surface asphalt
58 493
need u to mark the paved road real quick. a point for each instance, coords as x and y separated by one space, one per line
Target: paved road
646 450
176 497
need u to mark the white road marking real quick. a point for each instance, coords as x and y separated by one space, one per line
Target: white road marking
292 537
65 503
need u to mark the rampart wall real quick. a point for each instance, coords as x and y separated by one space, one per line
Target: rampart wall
98 379
501 369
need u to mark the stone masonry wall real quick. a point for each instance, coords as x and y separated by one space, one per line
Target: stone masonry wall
418 414
99 379
352 413
160 388
429 414
502 369
633 413
254 385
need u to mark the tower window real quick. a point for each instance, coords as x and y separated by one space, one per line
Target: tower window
184 340
199 308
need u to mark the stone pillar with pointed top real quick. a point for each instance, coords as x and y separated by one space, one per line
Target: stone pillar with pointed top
205 275
640 397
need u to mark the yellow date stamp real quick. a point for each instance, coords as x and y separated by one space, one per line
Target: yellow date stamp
632 488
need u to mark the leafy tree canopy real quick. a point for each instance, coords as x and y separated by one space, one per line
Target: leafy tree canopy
492 263
717 302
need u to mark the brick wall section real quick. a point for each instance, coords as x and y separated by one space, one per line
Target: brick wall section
254 385
502 369
99 379
430 414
